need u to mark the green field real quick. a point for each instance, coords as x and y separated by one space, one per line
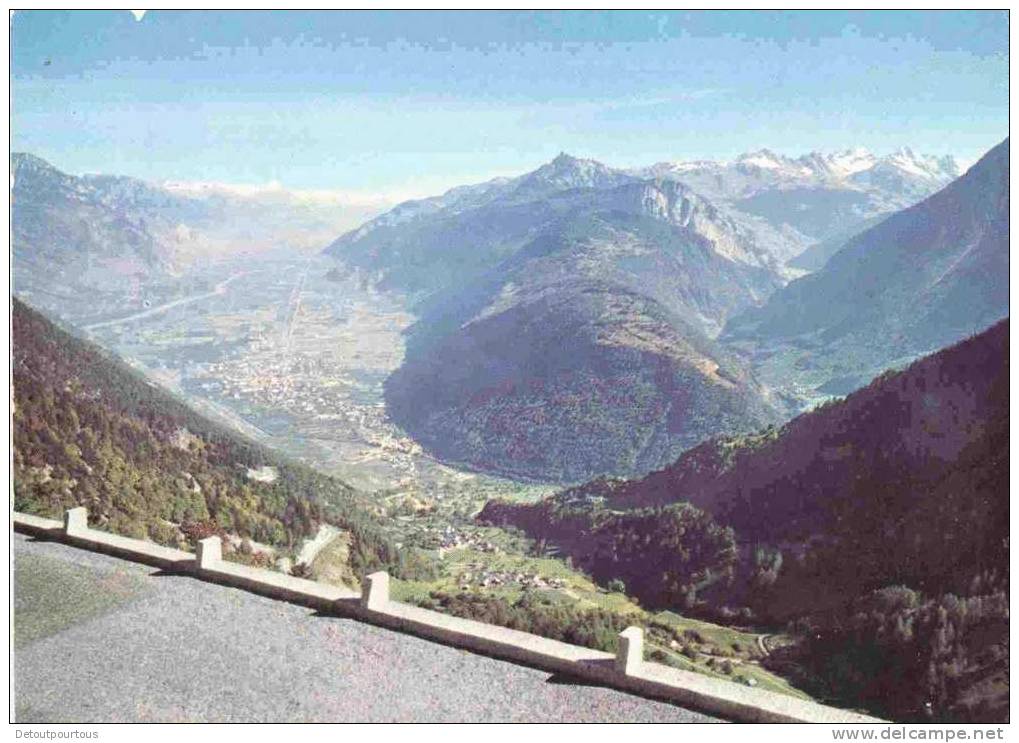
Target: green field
677 641
507 576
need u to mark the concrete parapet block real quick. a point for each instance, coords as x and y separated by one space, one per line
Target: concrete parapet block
630 654
76 521
209 553
626 671
375 590
36 525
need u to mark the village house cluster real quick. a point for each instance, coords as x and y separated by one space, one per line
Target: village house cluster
478 576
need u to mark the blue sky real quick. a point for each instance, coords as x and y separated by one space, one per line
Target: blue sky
411 103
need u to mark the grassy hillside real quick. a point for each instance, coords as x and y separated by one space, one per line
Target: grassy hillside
87 430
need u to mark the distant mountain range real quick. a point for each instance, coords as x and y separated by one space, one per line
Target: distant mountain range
84 244
814 198
433 244
917 281
900 176
567 329
773 206
568 316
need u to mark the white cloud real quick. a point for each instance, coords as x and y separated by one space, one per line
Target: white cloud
358 198
276 190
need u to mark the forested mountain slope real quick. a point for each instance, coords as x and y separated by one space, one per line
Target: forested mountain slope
88 430
886 509
585 353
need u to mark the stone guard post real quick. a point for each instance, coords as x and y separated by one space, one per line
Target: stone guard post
76 521
209 552
630 654
375 590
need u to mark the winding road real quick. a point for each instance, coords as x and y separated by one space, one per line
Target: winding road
219 290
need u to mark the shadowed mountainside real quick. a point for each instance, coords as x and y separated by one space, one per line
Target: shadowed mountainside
877 523
923 278
908 474
584 353
565 320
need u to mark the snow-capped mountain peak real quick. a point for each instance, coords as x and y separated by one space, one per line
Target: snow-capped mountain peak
923 166
765 168
764 158
845 163
573 170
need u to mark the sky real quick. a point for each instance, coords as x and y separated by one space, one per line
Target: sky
399 104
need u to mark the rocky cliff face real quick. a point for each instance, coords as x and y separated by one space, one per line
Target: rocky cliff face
795 203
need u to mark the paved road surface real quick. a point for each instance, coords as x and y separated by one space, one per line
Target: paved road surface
99 639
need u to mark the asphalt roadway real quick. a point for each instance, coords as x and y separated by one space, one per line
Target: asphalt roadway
98 639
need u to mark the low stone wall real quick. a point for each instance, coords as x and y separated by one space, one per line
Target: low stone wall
627 670
36 526
211 566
